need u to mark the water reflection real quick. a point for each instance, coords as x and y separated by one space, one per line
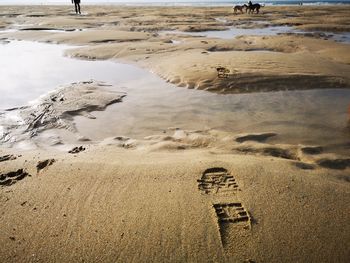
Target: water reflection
235 31
152 105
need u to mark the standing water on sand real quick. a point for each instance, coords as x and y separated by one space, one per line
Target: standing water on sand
152 105
120 144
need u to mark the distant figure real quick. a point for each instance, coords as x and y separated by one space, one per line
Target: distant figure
77 6
253 7
249 6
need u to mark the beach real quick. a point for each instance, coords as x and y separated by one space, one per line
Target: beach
174 134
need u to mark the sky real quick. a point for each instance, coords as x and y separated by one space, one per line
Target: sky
106 1
96 1
126 1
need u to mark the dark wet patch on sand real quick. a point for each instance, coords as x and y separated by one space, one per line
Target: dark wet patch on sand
11 178
338 163
43 164
259 137
77 149
7 157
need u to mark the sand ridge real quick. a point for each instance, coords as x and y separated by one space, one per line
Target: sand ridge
57 109
292 61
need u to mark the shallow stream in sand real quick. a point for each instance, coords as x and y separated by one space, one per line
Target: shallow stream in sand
30 69
233 32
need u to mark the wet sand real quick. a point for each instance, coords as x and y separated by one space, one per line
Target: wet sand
293 60
179 195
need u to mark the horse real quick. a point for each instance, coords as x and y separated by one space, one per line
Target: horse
254 7
240 8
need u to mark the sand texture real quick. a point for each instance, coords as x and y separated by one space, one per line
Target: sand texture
110 205
291 61
57 109
179 195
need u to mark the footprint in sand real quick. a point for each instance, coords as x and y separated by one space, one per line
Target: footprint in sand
233 220
231 213
77 150
217 180
222 72
11 178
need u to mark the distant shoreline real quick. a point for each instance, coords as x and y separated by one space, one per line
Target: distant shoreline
191 3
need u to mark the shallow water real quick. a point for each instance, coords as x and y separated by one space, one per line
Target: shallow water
29 70
342 37
235 31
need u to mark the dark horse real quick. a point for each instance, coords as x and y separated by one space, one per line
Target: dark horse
240 8
253 7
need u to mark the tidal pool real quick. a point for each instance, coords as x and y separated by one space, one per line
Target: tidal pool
236 31
342 37
233 32
30 69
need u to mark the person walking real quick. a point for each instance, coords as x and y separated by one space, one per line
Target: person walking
77 6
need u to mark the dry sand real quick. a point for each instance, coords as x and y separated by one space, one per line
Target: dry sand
182 196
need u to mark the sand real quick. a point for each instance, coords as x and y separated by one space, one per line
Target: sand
110 205
291 61
182 195
57 109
